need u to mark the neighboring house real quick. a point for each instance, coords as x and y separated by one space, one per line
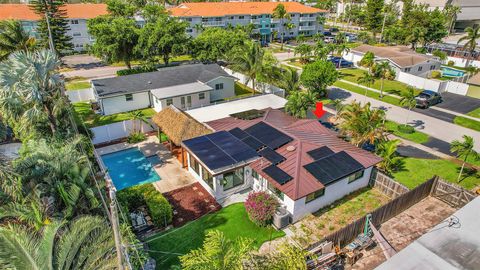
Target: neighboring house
469 15
184 86
77 16
305 165
223 14
401 58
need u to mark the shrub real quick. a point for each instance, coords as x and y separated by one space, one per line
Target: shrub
441 55
450 63
135 70
260 207
436 74
406 129
136 137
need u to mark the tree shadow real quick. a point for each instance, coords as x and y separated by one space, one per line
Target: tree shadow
419 124
468 172
337 93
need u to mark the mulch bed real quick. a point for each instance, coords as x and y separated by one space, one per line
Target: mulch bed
190 203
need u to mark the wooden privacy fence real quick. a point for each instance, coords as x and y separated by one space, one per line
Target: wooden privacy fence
387 185
452 194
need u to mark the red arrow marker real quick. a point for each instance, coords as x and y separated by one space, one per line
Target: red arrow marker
319 112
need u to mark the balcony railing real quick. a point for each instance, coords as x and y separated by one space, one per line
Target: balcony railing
306 28
307 19
214 23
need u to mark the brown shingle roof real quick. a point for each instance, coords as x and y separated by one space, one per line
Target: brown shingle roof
212 9
179 126
307 135
400 55
74 11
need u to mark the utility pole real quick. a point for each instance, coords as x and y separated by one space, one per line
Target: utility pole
116 230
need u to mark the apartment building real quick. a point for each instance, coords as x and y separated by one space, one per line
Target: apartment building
209 14
77 17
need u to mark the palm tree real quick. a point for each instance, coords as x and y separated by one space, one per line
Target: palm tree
85 243
13 38
280 12
138 116
250 60
305 51
368 60
341 49
290 81
471 40
32 211
198 28
384 71
408 100
338 105
464 150
217 253
368 80
451 12
10 183
299 102
388 151
31 81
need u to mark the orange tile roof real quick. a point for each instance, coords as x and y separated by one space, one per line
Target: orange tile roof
74 11
212 9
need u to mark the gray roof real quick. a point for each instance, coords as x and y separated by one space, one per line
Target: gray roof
444 247
165 77
180 90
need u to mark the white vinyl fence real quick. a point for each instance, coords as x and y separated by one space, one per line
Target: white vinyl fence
81 95
119 130
462 62
434 85
265 88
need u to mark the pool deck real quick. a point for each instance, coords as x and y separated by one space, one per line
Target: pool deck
170 170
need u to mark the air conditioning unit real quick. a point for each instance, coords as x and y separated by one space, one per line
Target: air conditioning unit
281 218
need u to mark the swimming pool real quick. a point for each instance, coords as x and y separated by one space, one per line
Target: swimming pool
451 72
130 167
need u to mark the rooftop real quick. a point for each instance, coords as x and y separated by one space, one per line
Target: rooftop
400 55
162 80
212 9
74 11
292 153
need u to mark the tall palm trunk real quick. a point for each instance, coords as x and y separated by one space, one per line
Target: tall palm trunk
381 89
461 169
51 119
282 34
408 116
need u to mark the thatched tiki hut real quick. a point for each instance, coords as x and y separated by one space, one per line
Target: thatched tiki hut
178 126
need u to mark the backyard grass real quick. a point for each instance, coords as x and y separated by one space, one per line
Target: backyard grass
359 90
242 90
84 112
231 220
416 171
339 214
475 113
392 87
467 122
416 136
473 91
77 85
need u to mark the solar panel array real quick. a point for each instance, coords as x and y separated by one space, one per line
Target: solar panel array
277 174
268 135
320 153
271 155
334 167
220 149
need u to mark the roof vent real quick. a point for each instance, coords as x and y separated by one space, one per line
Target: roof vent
149 82
291 148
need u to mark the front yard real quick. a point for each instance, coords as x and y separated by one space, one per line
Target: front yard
231 220
360 90
76 83
338 215
84 112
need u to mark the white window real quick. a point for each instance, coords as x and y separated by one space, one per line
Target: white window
201 96
420 68
275 191
77 34
74 21
314 195
182 102
355 176
407 69
241 17
219 86
128 97
169 101
189 101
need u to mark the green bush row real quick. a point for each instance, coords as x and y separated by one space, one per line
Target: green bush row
158 207
135 70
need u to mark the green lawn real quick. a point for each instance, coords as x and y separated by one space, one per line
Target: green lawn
416 136
475 113
466 122
77 85
392 87
85 112
473 91
359 90
416 171
231 220
242 90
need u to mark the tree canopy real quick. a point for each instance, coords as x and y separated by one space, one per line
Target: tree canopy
318 75
216 43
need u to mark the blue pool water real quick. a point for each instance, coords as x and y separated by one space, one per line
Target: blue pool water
130 167
451 72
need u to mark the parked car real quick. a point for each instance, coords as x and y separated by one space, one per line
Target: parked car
427 98
329 39
333 29
327 33
340 64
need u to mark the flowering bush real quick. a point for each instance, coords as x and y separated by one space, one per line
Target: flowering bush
260 207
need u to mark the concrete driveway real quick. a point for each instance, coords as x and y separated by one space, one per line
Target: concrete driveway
458 103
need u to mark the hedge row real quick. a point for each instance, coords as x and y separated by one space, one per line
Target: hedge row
135 70
158 207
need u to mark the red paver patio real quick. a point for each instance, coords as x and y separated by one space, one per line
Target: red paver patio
190 203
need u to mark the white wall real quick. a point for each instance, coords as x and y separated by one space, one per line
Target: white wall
80 95
462 62
159 104
112 105
353 57
421 83
457 88
79 34
115 131
261 87
227 91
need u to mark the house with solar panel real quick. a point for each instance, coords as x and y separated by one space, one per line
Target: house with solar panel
304 164
184 86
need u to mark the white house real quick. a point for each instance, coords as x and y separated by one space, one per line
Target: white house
77 17
401 58
305 165
184 86
222 14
